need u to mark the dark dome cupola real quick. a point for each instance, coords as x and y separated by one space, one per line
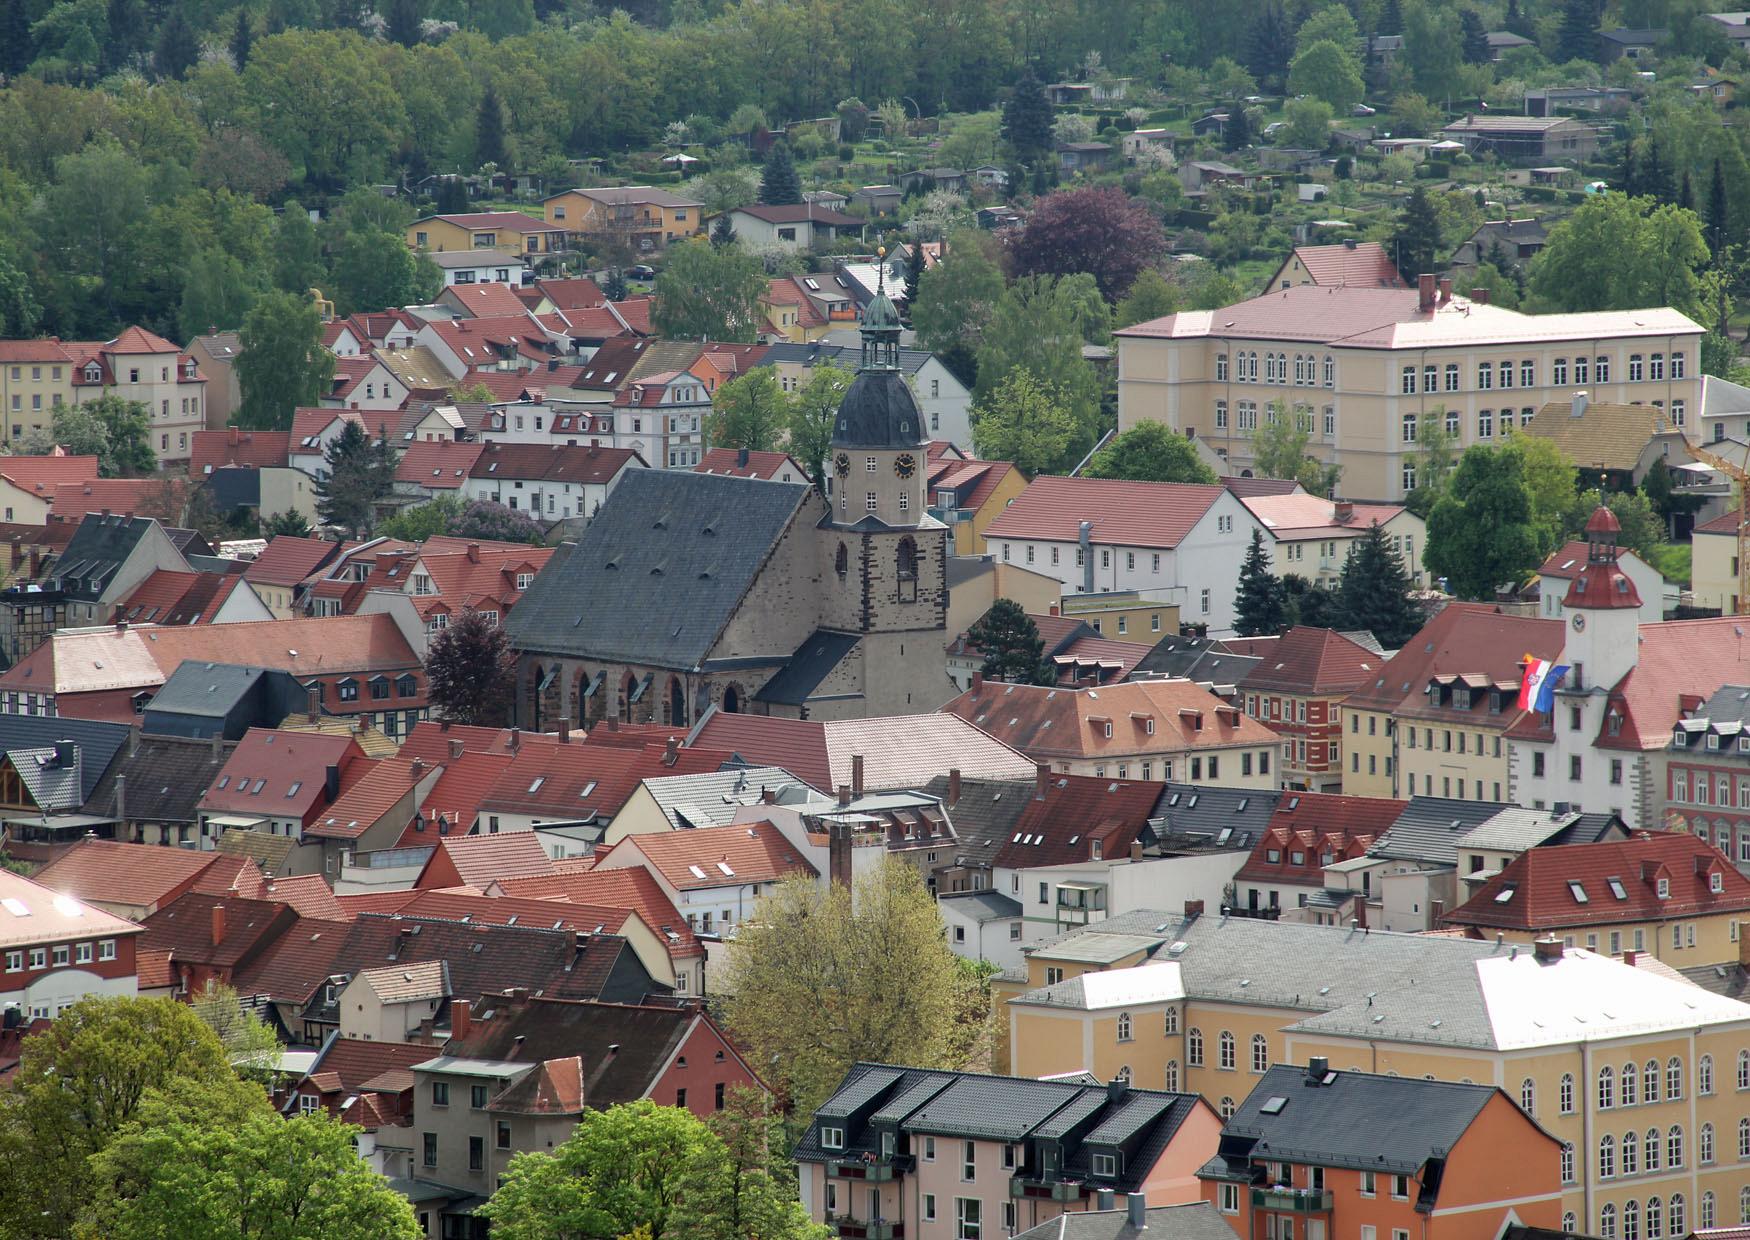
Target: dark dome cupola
879 410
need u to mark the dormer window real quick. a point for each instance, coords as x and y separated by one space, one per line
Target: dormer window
832 1138
1716 882
1104 1166
1663 888
1713 740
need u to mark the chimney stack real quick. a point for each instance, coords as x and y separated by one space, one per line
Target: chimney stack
857 776
1548 949
314 702
1480 296
1445 289
1193 909
218 924
417 770
953 786
741 458
461 1018
1137 1203
1630 956
516 740
768 796
1317 1068
844 795
474 553
1136 850
121 800
564 730
978 678
1425 290
1345 512
456 750
838 853
218 739
1436 913
1041 780
671 750
1116 1088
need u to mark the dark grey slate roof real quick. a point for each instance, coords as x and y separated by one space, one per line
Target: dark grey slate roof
1430 827
1197 1221
1730 981
983 904
234 488
985 815
1390 1124
1212 817
1516 828
879 411
166 778
1194 658
660 570
97 741
964 568
217 564
189 542
213 690
814 659
96 551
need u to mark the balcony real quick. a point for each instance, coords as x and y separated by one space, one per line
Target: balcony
861 1229
1291 1200
1045 1190
872 1171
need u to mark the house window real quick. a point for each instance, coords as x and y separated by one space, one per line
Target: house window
477 1097
968 1218
1226 1044
431 1148
476 1153
440 1094
1194 1048
1452 376
1485 376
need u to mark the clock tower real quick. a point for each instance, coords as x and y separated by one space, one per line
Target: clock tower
884 557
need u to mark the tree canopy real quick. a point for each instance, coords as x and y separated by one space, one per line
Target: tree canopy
281 363
1099 230
470 671
1481 535
1657 258
1150 452
1011 644
709 292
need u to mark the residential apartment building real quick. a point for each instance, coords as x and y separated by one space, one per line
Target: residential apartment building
1312 1152
35 377
1706 784
1139 729
639 217
56 950
967 496
1558 1030
549 482
901 1152
1295 689
714 875
1661 893
508 232
662 417
1312 537
1433 721
138 365
1169 542
1285 873
1371 365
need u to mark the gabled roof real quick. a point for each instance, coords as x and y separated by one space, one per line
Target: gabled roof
1462 638
107 872
166 776
508 221
1211 817
1602 435
707 857
629 195
476 860
289 560
1318 828
1130 717
1354 264
572 293
712 798
1136 514
232 448
401 984
279 774
797 213
1314 661
1516 828
972 482
899 751
1076 813
373 793
437 464
484 341
43 475
37 914
588 781
771 466
717 534
1429 829
1578 884
635 889
485 300
97 742
186 928
139 340
539 462
100 546
1299 516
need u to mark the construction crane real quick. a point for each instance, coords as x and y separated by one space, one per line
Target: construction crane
1737 468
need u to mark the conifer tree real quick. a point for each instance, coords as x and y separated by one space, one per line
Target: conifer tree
779 184
1013 649
1476 40
15 42
178 50
1027 120
1259 608
405 23
489 130
1719 220
242 39
1374 591
1417 241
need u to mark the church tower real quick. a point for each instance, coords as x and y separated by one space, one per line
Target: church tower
1604 612
884 557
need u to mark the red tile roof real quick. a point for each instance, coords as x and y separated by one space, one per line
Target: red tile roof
1135 514
1077 813
353 1061
307 423
1321 829
139 340
636 313
50 350
770 466
1364 264
289 768
972 481
485 341
1313 516
310 894
505 385
1465 638
107 872
575 293
499 910
288 560
1104 657
186 929
160 497
1541 884
635 889
1315 661
475 860
590 466
44 475
377 789
430 738
583 781
1678 659
1138 717
486 300
454 801
210 450
437 464
752 852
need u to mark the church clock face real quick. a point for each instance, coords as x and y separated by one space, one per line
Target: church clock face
842 464
1579 622
905 465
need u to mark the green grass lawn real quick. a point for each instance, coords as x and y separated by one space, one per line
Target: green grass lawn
1673 560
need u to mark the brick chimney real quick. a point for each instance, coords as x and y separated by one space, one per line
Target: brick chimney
1445 289
1548 949
1193 909
474 553
1480 296
218 924
1041 780
461 1018
564 731
838 853
516 740
456 750
857 776
671 749
1425 291
417 771
1436 913
844 795
978 679
1345 512
953 786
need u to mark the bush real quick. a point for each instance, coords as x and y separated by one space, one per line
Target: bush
847 153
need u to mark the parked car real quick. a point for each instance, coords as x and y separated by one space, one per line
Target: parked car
643 271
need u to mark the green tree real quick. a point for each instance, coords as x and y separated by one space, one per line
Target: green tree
1433 51
281 363
266 1178
1260 609
956 299
293 524
251 1048
1309 123
242 40
708 292
1416 242
115 430
80 1082
1412 116
1040 325
427 520
1027 118
359 474
1550 482
1333 23
1657 258
1578 36
471 671
1481 535
1374 591
1476 39
751 1189
406 24
177 50
1026 421
808 996
748 412
779 184
484 520
1435 458
374 270
1236 135
1308 603
20 311
808 423
1013 649
1326 71
16 43
489 146
1279 449
1150 452
297 252
216 293
1150 297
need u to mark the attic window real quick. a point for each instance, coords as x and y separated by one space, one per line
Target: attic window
1716 882
1663 888
293 790
1505 895
724 866
587 789
223 780
538 781
1578 891
1615 885
695 871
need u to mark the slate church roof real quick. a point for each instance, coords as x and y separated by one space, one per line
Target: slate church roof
659 572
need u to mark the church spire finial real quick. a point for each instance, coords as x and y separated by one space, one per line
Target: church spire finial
880 327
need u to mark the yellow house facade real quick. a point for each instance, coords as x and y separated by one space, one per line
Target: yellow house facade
642 216
508 232
1370 366
1714 564
1559 1031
